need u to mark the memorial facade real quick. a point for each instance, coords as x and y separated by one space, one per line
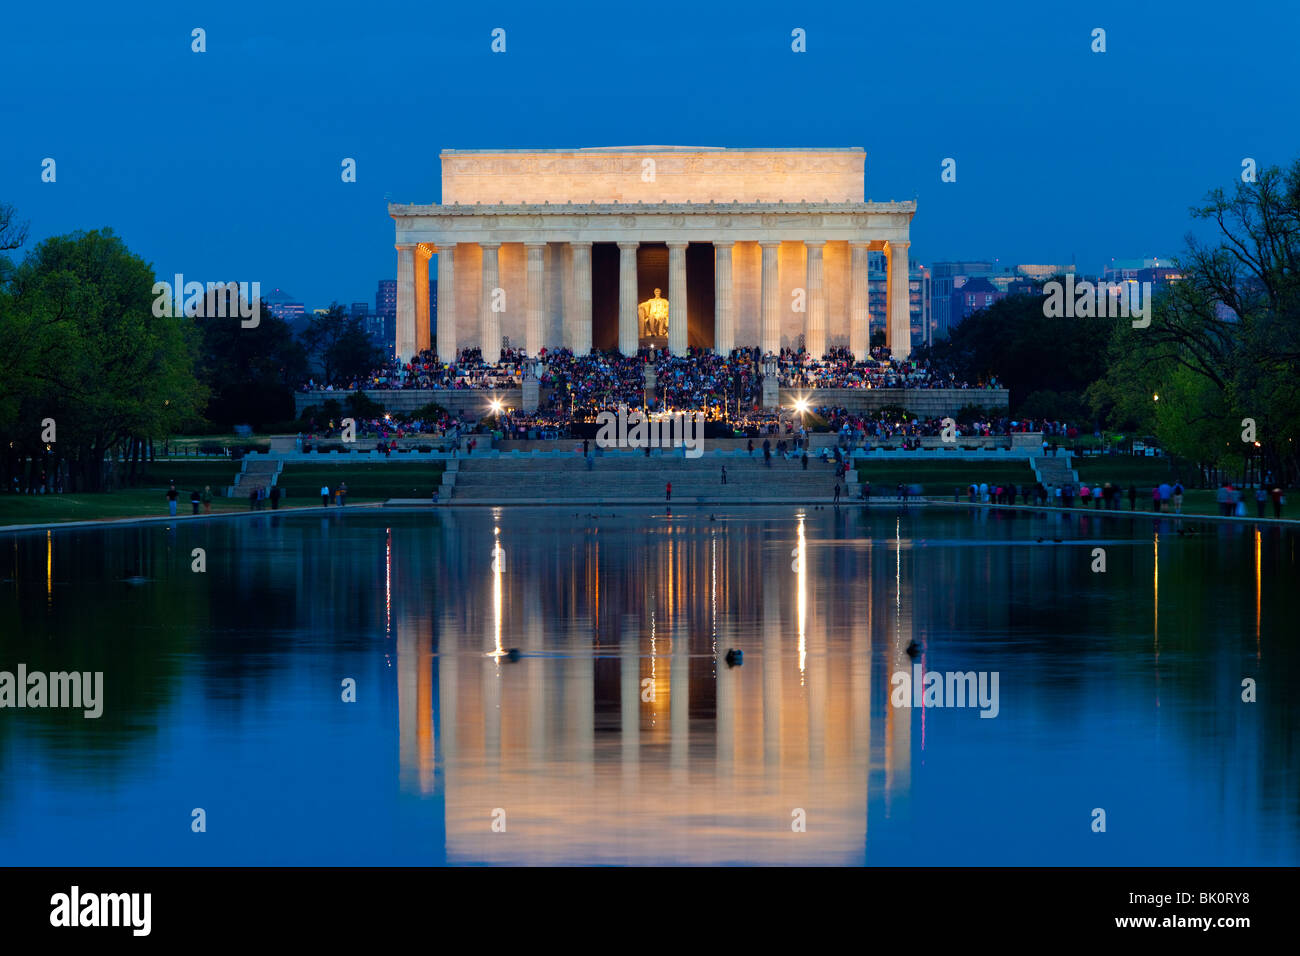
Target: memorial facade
620 248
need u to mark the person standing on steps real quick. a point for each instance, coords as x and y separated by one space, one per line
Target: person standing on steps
668 492
837 493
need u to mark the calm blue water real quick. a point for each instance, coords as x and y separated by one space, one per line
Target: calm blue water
619 736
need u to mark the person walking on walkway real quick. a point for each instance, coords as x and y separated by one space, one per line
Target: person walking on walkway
325 496
207 499
343 494
668 492
275 497
1278 501
1261 499
171 498
724 474
195 498
1178 496
837 493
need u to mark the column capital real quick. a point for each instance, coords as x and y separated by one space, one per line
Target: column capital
677 244
425 250
540 244
814 243
630 245
580 245
769 243
859 244
899 244
445 247
723 243
405 246
489 245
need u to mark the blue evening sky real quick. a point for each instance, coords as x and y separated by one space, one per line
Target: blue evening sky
225 165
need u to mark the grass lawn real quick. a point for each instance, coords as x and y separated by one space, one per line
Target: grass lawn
369 480
938 478
1127 469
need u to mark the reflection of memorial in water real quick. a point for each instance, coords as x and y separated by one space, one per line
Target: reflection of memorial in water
621 735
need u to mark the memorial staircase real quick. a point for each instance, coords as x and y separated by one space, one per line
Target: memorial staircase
632 478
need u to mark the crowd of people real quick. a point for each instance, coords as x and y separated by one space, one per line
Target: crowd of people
598 381
839 369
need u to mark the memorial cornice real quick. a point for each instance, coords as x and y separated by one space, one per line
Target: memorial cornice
654 222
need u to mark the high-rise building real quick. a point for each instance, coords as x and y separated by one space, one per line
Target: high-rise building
386 306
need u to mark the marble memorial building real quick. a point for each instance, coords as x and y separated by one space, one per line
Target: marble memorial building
618 248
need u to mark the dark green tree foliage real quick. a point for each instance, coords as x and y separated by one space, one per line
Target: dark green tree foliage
1224 343
79 344
250 373
1028 353
339 347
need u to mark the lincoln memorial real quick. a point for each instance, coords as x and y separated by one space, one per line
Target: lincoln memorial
620 248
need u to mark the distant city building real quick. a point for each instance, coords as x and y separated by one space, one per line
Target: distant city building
973 294
950 276
878 296
1159 272
283 306
360 310
386 309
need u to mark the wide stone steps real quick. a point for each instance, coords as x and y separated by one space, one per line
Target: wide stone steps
505 483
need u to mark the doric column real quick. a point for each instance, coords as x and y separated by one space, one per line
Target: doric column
859 301
533 332
447 301
814 338
423 253
899 335
489 322
677 298
628 333
769 332
724 314
581 297
405 343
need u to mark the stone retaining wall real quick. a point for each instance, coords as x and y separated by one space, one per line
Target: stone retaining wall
473 402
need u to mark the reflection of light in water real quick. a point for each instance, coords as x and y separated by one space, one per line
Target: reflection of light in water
1155 595
49 569
898 577
803 604
1258 586
713 592
498 567
388 584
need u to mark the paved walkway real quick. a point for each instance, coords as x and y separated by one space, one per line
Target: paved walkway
169 519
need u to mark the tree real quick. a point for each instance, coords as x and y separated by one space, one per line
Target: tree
1224 342
339 346
89 354
250 373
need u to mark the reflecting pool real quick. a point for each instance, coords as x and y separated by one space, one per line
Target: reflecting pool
542 686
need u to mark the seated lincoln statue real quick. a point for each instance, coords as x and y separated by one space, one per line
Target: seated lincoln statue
653 315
